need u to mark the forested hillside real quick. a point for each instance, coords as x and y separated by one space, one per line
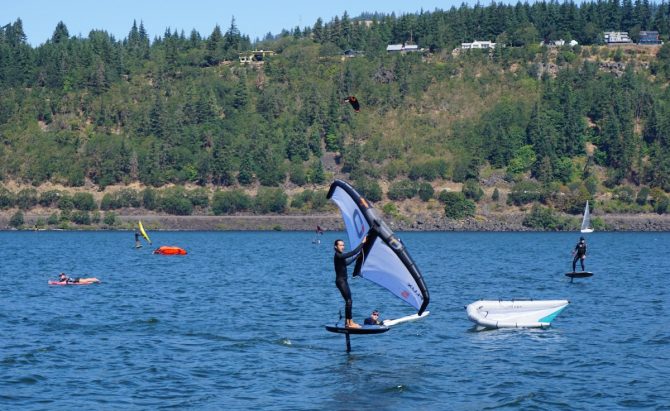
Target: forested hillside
515 125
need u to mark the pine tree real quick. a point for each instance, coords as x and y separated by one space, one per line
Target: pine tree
60 33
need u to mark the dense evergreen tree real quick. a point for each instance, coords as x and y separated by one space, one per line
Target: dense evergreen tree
181 109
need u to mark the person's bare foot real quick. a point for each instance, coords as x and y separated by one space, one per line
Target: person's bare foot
352 324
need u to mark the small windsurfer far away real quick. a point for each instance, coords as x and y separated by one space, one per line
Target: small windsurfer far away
341 260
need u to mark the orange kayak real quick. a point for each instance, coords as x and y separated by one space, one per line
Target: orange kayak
170 250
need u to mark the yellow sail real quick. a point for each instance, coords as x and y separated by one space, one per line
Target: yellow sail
144 233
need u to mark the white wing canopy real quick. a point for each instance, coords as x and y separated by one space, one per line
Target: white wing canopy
356 225
384 259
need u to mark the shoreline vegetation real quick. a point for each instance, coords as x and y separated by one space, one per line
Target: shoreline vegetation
496 206
494 222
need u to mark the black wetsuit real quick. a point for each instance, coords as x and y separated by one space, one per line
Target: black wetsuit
341 260
69 280
372 321
580 252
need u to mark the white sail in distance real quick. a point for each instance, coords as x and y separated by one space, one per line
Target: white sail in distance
586 220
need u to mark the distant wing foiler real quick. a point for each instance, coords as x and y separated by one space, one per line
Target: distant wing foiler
144 233
385 260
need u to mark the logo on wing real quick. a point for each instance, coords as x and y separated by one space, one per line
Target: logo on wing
359 224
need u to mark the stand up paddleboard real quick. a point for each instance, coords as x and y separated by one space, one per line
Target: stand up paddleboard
578 274
339 328
374 329
82 281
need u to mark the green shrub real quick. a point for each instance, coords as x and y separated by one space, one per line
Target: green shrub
40 223
65 203
229 202
6 198
426 191
53 219
591 184
369 189
316 174
472 190
542 218
174 203
403 189
199 197
49 198
428 170
84 202
642 196
17 219
302 199
107 202
309 199
76 177
127 197
624 194
320 200
110 218
270 200
390 209
296 174
662 205
395 168
496 195
149 199
659 200
26 198
456 206
81 217
524 192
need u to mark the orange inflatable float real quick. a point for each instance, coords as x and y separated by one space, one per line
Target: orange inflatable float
170 250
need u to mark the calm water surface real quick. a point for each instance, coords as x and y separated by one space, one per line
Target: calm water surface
238 324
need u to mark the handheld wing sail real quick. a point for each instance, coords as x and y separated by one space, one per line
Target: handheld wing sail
144 233
586 220
384 259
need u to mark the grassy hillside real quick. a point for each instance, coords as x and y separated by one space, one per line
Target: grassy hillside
179 126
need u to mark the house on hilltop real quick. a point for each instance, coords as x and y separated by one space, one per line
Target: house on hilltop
649 37
478 45
255 56
617 37
402 48
559 43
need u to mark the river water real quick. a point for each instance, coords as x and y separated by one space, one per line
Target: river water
238 324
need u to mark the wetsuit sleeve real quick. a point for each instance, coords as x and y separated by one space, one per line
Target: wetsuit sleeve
353 252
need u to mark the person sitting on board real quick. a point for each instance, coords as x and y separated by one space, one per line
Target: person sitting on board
373 319
580 253
341 260
65 279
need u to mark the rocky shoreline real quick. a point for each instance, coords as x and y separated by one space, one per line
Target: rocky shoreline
332 222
